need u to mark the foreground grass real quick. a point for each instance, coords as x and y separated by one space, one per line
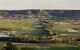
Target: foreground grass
38 47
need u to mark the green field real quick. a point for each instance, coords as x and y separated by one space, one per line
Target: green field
33 26
30 27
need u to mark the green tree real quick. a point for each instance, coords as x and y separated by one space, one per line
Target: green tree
10 46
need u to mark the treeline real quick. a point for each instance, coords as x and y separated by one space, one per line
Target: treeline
40 39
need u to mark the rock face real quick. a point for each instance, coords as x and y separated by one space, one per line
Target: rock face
70 14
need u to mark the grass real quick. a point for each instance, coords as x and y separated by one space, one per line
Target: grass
60 27
17 23
57 46
27 26
64 48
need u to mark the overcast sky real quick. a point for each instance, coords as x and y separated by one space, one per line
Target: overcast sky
39 4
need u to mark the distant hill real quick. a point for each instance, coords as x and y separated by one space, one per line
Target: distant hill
71 14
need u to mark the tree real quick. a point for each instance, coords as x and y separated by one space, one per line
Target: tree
10 46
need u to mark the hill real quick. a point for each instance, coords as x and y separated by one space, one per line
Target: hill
60 14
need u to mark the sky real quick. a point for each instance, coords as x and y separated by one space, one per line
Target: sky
39 4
